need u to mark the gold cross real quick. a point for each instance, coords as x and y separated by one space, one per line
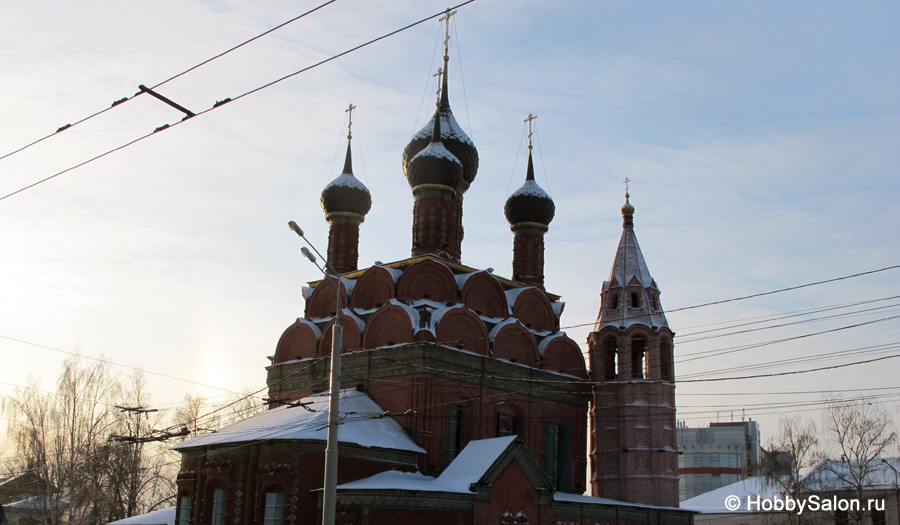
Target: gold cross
446 18
626 181
439 74
350 121
528 120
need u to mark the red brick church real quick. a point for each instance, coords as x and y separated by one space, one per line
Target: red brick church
462 401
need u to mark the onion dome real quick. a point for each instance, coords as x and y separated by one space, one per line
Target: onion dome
530 203
435 164
627 211
452 135
346 193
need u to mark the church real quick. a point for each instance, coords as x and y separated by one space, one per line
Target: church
461 400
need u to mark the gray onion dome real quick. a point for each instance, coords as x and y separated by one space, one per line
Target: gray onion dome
435 164
453 137
530 203
346 193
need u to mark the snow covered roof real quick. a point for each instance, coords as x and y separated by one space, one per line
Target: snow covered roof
580 498
840 475
469 467
714 500
157 517
295 422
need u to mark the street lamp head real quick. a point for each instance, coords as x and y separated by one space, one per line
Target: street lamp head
306 253
294 228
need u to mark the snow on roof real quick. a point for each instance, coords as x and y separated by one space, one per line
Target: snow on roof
581 498
468 468
474 460
558 307
289 422
395 273
437 150
714 501
348 180
501 324
157 517
315 329
837 475
359 322
543 344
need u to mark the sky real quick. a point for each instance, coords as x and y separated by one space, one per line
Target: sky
762 141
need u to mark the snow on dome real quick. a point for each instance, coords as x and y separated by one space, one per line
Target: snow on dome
531 189
295 423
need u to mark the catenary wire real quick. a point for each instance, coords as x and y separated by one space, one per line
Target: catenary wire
126 99
238 97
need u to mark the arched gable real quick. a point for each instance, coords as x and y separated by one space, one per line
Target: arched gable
533 309
427 279
299 341
373 289
391 324
561 354
322 302
461 328
352 326
483 294
513 342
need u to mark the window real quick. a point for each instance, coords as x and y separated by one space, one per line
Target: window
614 302
635 300
508 425
184 510
610 359
638 347
218 507
879 517
274 509
453 434
558 455
665 361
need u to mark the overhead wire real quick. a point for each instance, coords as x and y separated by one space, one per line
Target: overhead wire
126 99
234 99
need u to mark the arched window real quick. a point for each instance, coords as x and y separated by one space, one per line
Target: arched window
614 301
558 455
274 511
218 507
610 359
638 357
184 510
665 361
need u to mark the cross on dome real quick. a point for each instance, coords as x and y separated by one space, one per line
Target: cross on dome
528 120
350 120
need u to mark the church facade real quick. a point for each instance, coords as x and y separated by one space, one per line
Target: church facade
462 401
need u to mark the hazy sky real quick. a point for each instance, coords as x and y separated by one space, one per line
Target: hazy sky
762 139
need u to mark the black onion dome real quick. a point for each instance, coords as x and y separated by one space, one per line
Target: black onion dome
435 164
530 203
452 135
346 193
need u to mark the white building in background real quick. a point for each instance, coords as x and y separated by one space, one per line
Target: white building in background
716 456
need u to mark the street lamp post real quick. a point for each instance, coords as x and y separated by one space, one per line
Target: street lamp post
329 498
896 486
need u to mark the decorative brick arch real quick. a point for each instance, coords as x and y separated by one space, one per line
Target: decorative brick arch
373 289
351 338
321 302
461 328
513 342
533 309
561 354
483 294
299 341
427 279
392 324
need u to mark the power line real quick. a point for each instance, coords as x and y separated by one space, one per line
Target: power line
228 100
126 99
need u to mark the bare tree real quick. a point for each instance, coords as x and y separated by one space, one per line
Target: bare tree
62 439
792 453
861 430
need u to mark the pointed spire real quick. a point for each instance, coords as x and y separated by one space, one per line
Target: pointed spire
348 161
631 295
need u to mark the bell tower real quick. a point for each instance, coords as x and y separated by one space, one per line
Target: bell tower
632 430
